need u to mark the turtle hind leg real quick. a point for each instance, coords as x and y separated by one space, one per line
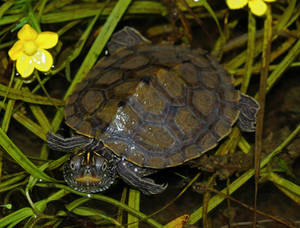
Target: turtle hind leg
126 37
248 109
134 176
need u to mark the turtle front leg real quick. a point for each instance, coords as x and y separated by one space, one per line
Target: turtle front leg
59 143
135 176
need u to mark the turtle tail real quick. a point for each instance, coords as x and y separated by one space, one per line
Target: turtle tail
248 109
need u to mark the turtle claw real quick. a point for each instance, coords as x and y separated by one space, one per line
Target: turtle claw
134 176
149 187
154 188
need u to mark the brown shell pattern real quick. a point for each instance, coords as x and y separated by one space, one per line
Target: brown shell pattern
155 105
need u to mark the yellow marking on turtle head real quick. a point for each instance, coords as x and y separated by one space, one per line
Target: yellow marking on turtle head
88 156
88 179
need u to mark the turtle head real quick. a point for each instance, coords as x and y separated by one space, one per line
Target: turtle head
89 172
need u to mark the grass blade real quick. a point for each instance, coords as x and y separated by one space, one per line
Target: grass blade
27 96
134 202
109 200
16 217
283 65
21 159
10 106
40 116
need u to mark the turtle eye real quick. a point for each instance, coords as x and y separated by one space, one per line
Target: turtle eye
75 163
72 165
104 166
100 163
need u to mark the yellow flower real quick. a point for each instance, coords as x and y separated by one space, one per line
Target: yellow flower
29 51
257 7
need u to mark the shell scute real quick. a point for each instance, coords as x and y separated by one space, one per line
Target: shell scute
177 158
231 95
108 79
125 120
156 162
91 100
222 129
108 112
172 86
121 90
210 79
86 127
108 61
155 138
73 121
207 141
188 73
230 113
200 61
193 151
204 101
119 147
149 99
134 62
187 122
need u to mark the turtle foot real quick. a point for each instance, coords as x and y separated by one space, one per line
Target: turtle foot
248 110
127 37
134 176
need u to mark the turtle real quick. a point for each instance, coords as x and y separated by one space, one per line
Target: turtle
146 107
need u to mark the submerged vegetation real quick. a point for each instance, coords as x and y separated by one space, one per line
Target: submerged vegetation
257 46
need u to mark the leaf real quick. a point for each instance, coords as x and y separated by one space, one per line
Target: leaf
27 96
21 159
287 187
134 202
178 222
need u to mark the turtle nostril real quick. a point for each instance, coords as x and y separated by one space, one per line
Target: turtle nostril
87 171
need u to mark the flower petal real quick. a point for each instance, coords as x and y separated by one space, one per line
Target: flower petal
27 33
25 65
46 40
16 50
236 4
270 0
258 7
42 60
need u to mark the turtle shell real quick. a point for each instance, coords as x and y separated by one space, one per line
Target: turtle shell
155 105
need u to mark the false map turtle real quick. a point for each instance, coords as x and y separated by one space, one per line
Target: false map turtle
147 107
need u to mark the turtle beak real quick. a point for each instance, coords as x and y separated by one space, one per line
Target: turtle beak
88 178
